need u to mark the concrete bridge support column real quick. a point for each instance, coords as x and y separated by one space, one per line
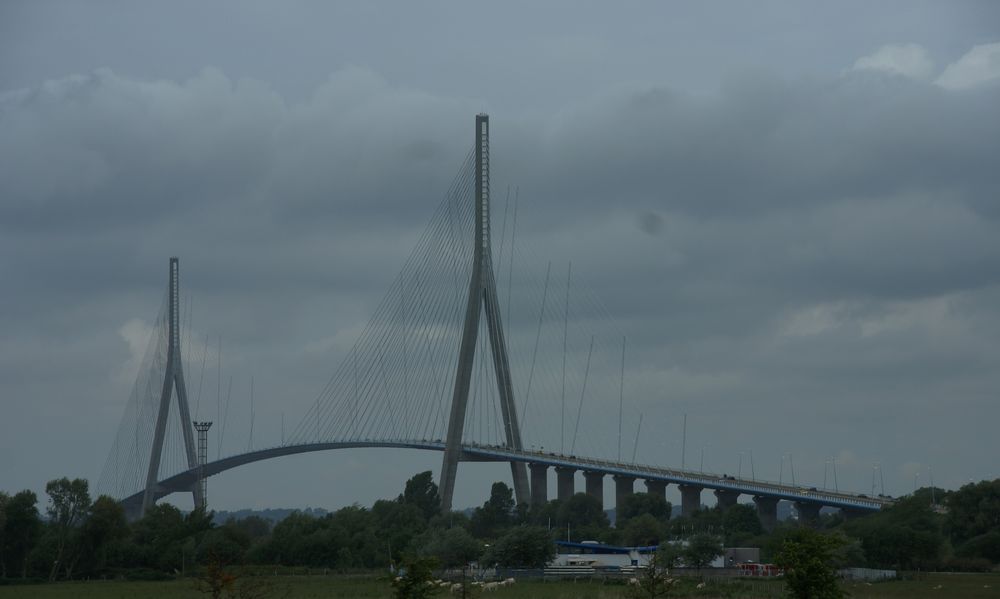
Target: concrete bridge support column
726 499
624 486
767 511
539 483
657 487
690 499
564 482
595 485
808 513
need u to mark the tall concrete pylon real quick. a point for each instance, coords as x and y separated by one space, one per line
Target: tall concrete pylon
482 296
173 379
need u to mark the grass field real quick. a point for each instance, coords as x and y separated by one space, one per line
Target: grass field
971 586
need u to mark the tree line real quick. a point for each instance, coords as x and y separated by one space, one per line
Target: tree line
75 537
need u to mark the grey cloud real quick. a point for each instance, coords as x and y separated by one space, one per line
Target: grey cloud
821 251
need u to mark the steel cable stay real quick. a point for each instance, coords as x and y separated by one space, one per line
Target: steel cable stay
381 341
386 339
374 321
122 469
365 347
427 351
582 308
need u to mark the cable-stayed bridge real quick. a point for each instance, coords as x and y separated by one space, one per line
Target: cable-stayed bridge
441 367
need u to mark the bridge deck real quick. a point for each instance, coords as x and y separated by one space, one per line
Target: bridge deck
185 481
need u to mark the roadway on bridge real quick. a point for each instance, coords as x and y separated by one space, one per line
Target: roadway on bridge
475 452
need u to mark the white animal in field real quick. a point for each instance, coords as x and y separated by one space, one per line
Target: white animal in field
491 586
700 585
634 581
509 581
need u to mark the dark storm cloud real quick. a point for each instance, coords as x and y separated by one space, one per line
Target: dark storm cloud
818 250
765 144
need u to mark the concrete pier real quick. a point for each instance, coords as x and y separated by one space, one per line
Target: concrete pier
624 486
539 483
690 499
595 485
564 482
656 487
726 499
767 511
808 512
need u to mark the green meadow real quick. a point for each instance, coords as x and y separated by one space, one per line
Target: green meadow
970 586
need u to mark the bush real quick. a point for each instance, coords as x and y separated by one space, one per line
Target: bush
807 558
145 574
967 564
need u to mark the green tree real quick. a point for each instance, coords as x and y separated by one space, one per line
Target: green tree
643 530
69 503
638 504
585 519
700 522
651 582
227 544
451 520
4 500
974 510
669 555
496 514
985 546
165 538
286 540
363 549
422 492
807 558
105 527
254 527
522 547
740 522
396 524
416 581
216 579
545 514
453 547
582 510
905 535
21 531
701 549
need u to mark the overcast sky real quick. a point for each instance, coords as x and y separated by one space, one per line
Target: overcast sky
792 210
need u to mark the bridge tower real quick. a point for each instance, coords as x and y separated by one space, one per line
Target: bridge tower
173 380
482 298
